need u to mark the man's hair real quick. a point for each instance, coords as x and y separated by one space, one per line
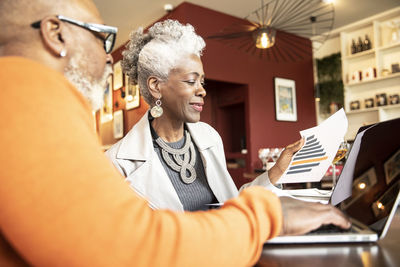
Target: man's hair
157 52
17 15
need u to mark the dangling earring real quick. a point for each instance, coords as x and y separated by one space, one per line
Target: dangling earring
157 110
63 53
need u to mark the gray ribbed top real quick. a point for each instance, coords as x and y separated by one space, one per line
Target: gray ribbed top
193 196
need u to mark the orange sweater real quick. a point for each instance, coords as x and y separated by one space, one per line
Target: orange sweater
63 204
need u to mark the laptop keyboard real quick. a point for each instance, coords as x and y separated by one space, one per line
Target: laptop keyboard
330 228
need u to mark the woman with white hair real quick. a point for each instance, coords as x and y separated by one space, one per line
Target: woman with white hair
169 157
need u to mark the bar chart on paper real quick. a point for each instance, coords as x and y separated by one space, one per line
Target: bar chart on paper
310 163
308 157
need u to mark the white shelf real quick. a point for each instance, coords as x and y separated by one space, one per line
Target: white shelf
361 117
388 107
374 109
381 56
364 110
370 52
390 46
378 79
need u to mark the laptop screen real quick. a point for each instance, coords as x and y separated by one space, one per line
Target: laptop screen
376 177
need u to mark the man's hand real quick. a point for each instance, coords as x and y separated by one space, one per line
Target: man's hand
300 217
284 160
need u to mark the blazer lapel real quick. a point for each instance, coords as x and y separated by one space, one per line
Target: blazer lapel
205 143
200 136
137 144
149 179
212 154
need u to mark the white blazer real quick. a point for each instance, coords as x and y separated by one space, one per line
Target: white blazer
135 158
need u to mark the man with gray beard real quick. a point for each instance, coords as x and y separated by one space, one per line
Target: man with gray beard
62 203
92 90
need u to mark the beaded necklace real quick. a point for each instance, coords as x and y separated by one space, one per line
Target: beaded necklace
173 158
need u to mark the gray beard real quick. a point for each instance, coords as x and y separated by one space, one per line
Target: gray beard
92 90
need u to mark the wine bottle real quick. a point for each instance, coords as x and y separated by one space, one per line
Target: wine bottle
367 43
359 45
353 47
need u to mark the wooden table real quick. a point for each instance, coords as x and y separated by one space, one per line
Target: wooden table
385 252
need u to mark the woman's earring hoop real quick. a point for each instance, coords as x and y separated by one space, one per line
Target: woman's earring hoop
157 110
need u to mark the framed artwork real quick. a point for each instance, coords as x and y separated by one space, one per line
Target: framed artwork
381 100
285 100
394 99
118 124
395 67
94 120
117 75
355 105
107 109
132 95
369 103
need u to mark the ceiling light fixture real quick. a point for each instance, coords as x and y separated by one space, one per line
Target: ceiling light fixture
277 25
265 37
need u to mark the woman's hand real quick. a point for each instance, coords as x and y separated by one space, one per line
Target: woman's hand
284 160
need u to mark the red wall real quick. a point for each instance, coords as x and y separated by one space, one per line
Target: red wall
228 64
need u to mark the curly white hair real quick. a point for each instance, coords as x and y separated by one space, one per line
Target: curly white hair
156 52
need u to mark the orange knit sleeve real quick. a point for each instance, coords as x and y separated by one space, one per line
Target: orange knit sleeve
62 203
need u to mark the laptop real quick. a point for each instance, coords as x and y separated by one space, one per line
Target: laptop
367 189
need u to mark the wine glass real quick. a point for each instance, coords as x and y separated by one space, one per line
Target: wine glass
263 155
341 153
275 154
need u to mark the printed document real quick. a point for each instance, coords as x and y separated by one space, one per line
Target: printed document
311 162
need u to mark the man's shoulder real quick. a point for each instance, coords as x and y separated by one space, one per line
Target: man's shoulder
12 63
27 72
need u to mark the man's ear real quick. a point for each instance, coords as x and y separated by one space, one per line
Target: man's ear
53 31
153 83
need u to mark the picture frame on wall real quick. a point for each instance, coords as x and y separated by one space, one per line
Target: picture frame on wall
394 99
381 99
369 103
106 112
355 105
118 77
118 124
132 95
285 100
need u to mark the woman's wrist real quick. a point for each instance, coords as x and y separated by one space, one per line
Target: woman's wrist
274 174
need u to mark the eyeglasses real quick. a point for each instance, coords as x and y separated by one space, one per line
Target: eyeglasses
108 41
